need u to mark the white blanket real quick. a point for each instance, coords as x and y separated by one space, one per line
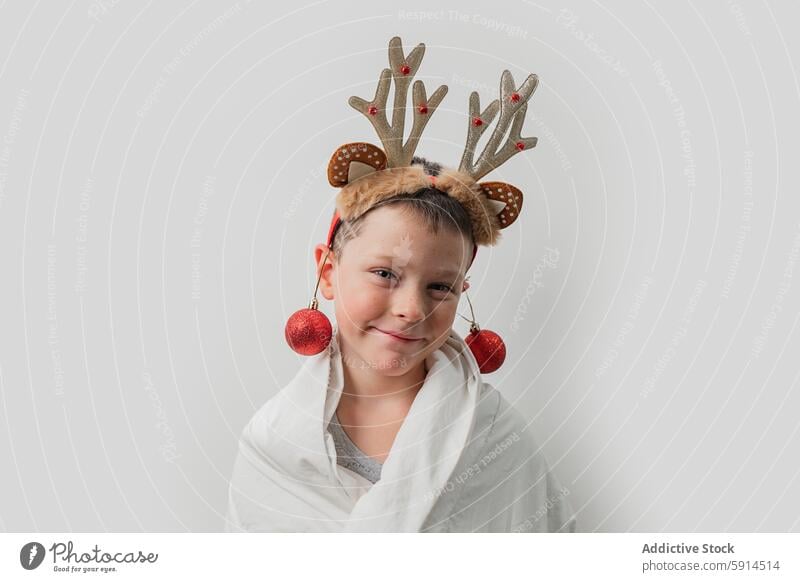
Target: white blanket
462 461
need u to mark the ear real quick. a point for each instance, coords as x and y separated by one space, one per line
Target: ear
466 286
506 199
326 281
353 160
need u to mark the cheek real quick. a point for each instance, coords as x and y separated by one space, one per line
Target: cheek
444 311
359 302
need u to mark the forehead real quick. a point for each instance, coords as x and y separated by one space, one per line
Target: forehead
393 234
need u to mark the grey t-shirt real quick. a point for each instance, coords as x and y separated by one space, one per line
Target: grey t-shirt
349 456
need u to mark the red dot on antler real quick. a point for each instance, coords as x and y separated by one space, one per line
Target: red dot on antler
520 145
515 97
372 110
405 69
477 122
422 108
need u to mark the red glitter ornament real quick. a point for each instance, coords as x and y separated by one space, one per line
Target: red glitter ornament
405 69
422 108
477 122
372 110
308 331
487 347
520 145
515 97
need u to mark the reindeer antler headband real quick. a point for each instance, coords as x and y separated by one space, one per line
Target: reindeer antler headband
368 174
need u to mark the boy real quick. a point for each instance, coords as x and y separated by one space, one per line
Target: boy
391 426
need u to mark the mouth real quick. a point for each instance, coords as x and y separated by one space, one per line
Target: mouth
398 336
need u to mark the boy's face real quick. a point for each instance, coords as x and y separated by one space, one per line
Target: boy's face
395 277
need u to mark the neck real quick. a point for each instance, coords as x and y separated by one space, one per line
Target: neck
362 382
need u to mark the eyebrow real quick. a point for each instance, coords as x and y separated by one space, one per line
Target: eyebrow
441 273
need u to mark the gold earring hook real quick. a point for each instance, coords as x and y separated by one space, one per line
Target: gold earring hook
473 327
314 303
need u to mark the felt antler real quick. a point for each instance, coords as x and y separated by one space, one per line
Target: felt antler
402 70
513 104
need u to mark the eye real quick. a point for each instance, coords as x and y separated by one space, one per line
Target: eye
447 288
388 276
379 271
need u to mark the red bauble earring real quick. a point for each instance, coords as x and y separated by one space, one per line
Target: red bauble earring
308 331
487 347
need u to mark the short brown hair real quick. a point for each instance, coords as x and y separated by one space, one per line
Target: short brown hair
435 208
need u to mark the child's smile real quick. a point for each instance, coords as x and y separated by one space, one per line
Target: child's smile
396 337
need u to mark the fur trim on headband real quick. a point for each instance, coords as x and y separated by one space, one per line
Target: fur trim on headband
356 198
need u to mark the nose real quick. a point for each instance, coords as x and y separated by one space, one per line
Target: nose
408 303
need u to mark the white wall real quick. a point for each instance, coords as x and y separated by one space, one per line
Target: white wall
162 185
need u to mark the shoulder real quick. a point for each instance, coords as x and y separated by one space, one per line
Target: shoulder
275 430
501 435
503 482
512 448
506 421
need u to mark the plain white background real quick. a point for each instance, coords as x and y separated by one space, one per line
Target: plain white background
162 185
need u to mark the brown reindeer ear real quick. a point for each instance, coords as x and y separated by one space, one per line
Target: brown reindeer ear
353 160
506 198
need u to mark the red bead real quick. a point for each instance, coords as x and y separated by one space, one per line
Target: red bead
477 122
488 349
423 108
515 97
405 69
308 331
520 145
372 110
